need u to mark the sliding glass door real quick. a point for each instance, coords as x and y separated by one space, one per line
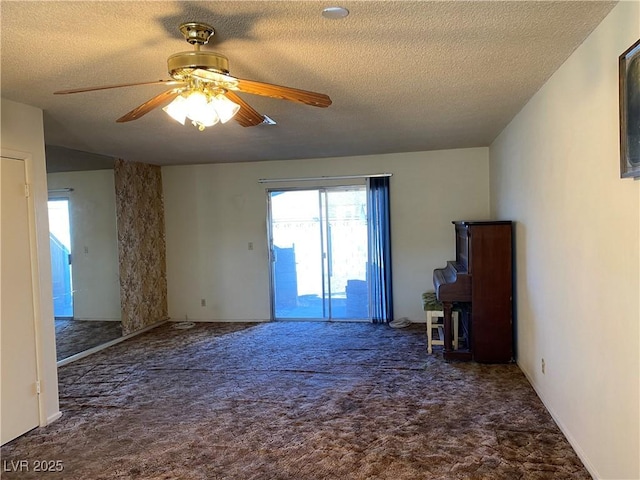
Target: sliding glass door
319 253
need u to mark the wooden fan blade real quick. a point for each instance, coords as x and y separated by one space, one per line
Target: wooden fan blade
146 107
106 87
247 116
285 93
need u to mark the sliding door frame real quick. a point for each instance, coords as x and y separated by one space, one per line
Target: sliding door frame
323 211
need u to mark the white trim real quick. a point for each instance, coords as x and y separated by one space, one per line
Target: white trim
325 320
266 320
222 320
35 273
54 417
338 177
60 190
108 344
566 432
27 158
14 154
81 319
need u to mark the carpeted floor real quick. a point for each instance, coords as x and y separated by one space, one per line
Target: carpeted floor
75 336
293 400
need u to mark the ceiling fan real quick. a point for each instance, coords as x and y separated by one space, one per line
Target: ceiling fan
203 91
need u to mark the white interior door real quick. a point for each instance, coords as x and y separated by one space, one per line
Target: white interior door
19 408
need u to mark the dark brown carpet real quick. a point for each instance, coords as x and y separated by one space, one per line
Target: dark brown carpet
298 401
75 336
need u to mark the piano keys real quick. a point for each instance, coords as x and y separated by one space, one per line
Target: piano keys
480 282
453 282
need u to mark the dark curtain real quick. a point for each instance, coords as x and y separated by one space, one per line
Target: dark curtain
380 250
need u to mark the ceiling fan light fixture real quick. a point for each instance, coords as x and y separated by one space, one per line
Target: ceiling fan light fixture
225 108
177 109
203 90
202 109
196 103
182 65
197 33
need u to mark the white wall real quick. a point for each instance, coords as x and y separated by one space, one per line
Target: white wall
22 130
94 242
555 170
213 211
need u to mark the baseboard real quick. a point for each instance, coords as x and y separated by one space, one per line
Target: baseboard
324 320
108 344
565 431
53 418
217 320
265 320
78 319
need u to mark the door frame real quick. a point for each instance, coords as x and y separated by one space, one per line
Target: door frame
35 271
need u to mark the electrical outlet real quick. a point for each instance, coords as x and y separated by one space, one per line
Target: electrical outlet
203 303
542 366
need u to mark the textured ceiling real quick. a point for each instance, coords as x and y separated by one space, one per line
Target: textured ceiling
403 76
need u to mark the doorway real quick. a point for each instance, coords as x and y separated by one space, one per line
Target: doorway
20 410
319 253
60 244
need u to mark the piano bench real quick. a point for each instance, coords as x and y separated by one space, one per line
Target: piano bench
435 320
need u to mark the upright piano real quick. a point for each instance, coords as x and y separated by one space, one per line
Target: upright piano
479 282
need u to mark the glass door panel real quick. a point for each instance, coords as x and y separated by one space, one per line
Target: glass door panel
297 254
319 253
347 253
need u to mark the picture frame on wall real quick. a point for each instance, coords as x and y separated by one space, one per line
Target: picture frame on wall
629 75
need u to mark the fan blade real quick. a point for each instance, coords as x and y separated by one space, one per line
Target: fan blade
106 87
285 93
149 105
247 116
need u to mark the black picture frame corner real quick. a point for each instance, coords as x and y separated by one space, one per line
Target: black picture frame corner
629 88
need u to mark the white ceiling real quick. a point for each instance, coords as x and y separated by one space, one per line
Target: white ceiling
403 76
